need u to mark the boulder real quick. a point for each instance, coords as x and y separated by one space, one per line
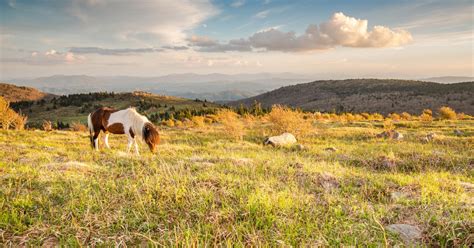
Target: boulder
410 235
458 132
397 136
431 136
391 134
330 149
284 139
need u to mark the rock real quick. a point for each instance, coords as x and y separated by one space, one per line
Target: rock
458 132
330 149
397 195
410 235
431 136
397 136
282 140
328 181
467 186
384 134
391 134
384 163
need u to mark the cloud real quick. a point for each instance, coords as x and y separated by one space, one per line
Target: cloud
206 44
113 52
50 57
176 48
340 30
237 3
262 14
138 22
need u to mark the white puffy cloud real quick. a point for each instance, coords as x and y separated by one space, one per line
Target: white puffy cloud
340 30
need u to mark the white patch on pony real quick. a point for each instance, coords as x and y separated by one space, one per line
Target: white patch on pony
130 119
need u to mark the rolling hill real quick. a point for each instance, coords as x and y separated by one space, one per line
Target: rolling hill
370 95
76 107
13 93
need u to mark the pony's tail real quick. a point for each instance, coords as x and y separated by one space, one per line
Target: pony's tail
91 129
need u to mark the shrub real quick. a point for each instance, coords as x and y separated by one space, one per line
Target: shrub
168 123
287 120
406 116
78 127
447 113
233 127
428 112
47 125
394 116
9 118
426 117
198 121
388 125
377 116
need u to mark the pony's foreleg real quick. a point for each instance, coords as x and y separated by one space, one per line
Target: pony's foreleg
106 140
130 142
136 147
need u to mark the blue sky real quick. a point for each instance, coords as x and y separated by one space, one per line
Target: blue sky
324 38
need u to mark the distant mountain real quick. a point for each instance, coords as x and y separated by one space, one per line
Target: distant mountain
13 93
213 87
370 95
449 79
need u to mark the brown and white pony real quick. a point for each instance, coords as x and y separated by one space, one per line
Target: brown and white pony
126 121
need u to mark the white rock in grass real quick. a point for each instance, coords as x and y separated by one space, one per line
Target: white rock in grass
408 233
281 140
397 135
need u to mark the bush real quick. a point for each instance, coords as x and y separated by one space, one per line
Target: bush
447 113
394 116
426 117
9 118
406 116
388 125
198 121
428 112
286 120
47 125
79 127
233 127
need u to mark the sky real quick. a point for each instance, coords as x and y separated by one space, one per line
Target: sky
322 38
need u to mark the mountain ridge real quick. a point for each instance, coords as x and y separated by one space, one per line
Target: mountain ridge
369 95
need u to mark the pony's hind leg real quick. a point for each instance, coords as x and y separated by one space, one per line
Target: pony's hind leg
95 141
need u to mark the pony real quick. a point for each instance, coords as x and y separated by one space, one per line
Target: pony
127 121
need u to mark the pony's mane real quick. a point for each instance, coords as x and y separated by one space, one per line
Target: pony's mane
138 121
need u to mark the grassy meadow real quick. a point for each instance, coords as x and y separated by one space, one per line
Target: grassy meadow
204 188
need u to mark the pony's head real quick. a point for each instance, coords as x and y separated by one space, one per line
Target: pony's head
151 136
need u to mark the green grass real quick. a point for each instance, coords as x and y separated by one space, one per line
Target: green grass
203 189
